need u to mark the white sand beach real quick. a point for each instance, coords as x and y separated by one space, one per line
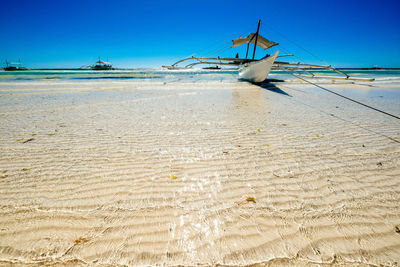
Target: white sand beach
191 172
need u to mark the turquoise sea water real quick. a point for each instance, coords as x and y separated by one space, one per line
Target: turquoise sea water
111 74
386 76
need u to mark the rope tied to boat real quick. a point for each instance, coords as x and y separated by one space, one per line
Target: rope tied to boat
348 98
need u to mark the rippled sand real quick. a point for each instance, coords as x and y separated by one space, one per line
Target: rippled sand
197 173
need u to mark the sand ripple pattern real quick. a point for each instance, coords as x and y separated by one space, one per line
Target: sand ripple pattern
191 172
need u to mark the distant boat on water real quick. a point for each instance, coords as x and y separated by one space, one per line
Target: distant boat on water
11 66
212 68
101 65
376 67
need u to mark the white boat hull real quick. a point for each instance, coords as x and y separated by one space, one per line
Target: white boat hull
257 71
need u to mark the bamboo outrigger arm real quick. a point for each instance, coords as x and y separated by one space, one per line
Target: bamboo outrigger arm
210 63
219 61
236 60
339 78
277 63
294 67
308 67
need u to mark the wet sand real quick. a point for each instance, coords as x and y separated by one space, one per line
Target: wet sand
197 173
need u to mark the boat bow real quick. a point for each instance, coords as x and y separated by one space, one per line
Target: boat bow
257 71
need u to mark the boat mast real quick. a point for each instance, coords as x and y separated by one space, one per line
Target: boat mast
247 51
255 43
248 44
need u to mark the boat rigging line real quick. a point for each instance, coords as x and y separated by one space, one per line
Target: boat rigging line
293 42
348 98
218 46
323 88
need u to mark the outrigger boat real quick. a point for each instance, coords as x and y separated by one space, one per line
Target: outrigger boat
10 66
101 65
257 70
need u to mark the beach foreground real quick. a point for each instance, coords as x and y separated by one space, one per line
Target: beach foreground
105 172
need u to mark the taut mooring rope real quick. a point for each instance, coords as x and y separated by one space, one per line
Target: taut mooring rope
355 101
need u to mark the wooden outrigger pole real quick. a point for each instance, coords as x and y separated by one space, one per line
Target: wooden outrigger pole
199 59
278 65
220 61
310 67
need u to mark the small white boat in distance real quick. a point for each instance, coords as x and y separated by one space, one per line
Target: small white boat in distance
257 71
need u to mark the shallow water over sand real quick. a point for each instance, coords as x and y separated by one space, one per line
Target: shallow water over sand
197 171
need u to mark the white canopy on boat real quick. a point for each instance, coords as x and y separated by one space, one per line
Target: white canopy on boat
261 41
102 62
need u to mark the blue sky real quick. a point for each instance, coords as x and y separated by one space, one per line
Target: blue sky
154 33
